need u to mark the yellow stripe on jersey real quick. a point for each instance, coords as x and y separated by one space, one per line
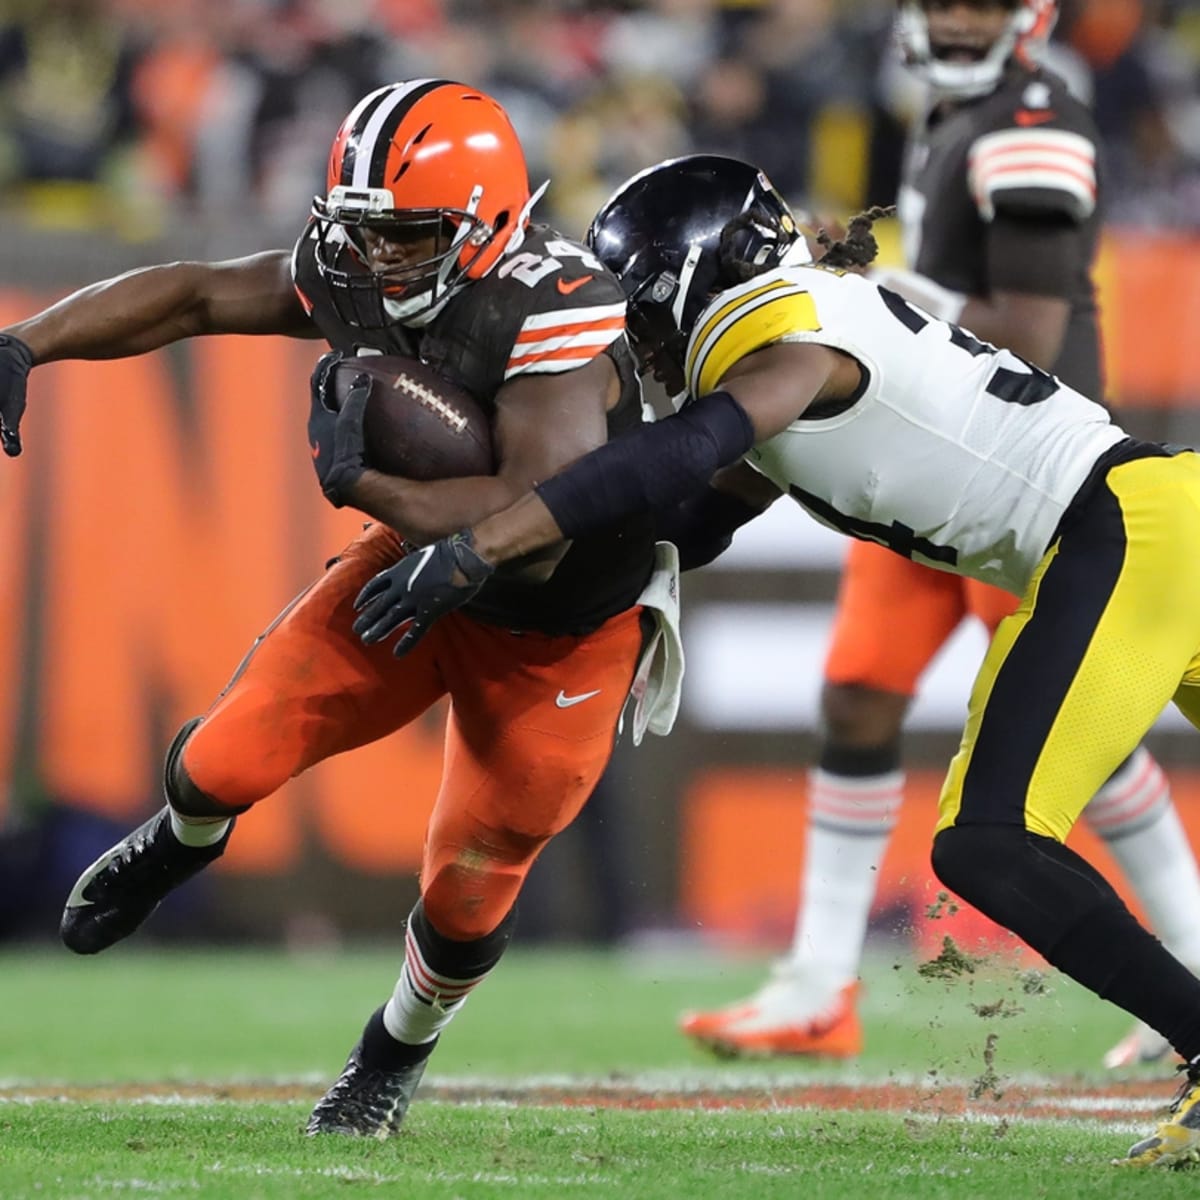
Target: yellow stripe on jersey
721 313
744 325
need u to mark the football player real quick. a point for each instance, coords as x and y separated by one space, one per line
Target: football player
898 428
1000 210
422 246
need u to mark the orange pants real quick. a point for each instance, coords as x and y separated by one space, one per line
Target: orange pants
519 764
893 615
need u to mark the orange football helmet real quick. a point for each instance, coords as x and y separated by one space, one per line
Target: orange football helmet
1025 35
426 159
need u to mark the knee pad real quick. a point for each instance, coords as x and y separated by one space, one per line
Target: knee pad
181 793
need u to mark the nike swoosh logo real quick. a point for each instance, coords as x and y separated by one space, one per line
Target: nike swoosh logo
566 288
1025 117
565 701
79 897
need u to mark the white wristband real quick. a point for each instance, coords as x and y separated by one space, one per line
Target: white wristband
936 300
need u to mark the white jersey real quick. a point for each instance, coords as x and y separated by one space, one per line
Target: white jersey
955 454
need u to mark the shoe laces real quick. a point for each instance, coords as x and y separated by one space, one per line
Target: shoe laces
361 1089
1190 1071
138 848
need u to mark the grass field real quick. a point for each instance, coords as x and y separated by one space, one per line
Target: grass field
168 1073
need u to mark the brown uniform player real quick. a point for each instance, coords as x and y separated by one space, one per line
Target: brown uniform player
422 245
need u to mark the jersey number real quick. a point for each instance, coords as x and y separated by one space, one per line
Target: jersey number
530 269
1030 386
897 536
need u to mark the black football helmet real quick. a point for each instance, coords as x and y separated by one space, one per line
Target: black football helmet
678 233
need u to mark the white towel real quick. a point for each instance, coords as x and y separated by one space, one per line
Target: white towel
658 680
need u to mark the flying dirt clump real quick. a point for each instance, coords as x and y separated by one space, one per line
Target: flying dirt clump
949 964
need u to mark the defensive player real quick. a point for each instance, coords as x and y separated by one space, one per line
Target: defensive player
898 428
421 246
1000 208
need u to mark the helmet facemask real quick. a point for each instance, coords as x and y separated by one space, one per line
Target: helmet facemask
410 292
1024 36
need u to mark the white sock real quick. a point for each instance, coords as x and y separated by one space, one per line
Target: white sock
423 1002
198 831
850 821
1134 815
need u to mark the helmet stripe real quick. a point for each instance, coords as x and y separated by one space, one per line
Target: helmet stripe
358 116
378 129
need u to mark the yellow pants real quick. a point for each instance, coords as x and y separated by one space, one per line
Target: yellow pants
1106 634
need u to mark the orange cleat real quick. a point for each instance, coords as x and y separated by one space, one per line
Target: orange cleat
780 1020
1140 1045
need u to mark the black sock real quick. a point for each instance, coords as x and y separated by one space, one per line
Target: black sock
382 1052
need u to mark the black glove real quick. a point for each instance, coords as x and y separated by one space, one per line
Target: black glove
420 588
335 435
16 360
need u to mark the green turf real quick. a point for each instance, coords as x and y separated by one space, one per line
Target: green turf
130 1017
448 1151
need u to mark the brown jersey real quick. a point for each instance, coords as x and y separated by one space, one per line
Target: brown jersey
1027 150
547 307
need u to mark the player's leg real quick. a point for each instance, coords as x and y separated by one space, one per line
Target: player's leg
1135 817
1069 686
519 767
307 689
892 616
1134 814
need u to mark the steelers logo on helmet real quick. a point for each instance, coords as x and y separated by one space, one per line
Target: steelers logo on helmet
427 188
1025 32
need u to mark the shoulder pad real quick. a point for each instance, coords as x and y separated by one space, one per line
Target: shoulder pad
749 316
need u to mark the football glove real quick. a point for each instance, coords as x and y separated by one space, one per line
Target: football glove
421 587
16 360
335 434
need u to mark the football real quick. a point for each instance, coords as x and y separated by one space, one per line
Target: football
417 423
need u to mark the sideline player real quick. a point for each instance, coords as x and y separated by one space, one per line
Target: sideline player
895 427
421 246
1000 208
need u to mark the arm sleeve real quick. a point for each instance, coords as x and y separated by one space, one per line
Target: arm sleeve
656 467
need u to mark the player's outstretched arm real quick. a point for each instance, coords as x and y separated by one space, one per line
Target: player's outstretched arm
143 310
16 361
667 463
658 466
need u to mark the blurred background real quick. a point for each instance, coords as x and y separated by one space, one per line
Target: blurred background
164 511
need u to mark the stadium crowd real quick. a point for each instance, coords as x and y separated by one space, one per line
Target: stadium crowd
144 119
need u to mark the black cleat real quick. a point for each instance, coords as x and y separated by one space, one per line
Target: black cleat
364 1102
127 883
